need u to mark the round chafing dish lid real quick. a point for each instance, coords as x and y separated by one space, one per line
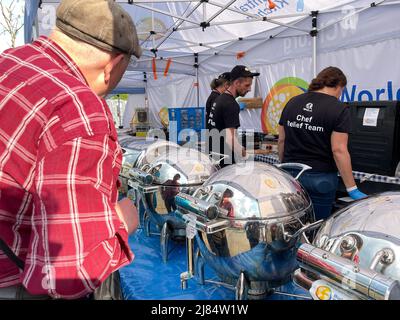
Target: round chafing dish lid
155 146
379 213
193 166
126 139
146 151
366 232
260 190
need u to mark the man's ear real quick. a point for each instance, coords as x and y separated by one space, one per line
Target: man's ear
237 82
111 66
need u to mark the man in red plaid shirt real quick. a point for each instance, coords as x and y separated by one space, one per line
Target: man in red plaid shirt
59 155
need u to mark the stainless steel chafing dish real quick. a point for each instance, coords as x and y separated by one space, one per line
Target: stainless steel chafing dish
140 151
246 221
157 177
355 254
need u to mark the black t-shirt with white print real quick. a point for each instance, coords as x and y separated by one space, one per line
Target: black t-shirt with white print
309 120
224 114
210 101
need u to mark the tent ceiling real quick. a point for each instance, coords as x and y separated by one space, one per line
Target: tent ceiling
180 29
189 26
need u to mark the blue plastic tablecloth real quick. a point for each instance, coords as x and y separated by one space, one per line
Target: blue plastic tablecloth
148 278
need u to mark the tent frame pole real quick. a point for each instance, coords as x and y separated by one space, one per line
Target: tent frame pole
195 44
207 23
223 8
254 15
167 13
178 25
258 44
196 65
352 14
314 33
245 21
258 18
252 19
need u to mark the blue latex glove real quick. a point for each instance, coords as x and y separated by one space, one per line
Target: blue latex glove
357 194
242 106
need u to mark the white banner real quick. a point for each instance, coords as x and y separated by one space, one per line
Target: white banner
371 70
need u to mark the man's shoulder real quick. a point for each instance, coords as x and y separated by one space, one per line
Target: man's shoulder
80 111
40 73
226 101
223 98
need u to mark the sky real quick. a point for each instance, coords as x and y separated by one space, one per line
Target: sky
4 39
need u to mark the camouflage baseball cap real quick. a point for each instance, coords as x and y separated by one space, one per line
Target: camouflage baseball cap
101 23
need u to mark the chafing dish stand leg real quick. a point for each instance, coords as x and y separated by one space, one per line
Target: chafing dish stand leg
164 241
185 276
242 287
146 223
199 269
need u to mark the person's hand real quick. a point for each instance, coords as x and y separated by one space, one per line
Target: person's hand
128 214
357 194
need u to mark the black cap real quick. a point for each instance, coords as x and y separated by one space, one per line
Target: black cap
225 76
242 72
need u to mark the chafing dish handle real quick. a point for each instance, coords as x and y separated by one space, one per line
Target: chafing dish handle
295 165
307 227
141 176
341 271
223 156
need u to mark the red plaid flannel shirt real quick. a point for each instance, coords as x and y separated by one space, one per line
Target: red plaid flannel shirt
59 166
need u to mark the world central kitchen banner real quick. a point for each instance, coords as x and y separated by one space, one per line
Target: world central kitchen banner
372 75
366 52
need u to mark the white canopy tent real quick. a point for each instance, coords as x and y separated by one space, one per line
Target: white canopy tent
188 42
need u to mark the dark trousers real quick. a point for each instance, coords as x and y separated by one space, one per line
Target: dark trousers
321 187
218 243
170 204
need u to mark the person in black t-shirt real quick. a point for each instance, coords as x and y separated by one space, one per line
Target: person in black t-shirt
313 130
218 86
224 116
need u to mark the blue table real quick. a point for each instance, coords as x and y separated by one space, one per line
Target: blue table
148 278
